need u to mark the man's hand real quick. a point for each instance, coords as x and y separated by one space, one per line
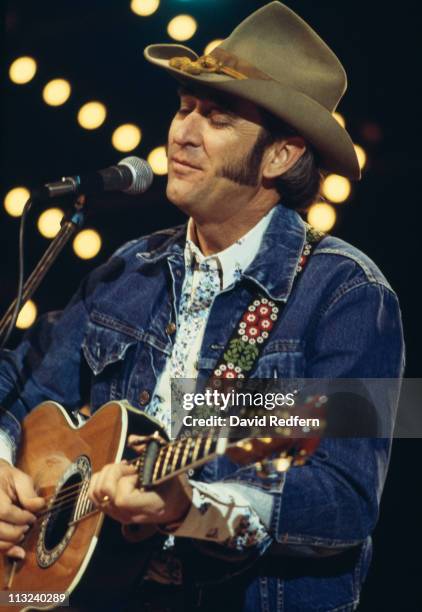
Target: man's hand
18 503
167 503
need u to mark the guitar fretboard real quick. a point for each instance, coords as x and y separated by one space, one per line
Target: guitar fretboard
183 454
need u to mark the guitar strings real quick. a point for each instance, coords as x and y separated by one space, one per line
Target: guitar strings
72 492
64 505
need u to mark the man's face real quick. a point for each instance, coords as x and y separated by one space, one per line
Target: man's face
214 164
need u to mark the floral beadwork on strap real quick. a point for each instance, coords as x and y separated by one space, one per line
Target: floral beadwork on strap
254 328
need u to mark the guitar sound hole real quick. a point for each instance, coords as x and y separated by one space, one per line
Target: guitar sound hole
60 517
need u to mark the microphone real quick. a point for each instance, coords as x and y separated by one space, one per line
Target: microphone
131 175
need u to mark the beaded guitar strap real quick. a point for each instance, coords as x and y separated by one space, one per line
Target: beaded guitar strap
253 330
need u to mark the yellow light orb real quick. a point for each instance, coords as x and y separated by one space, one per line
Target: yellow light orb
322 216
27 315
49 222
87 244
340 119
91 115
22 70
126 137
182 27
336 188
158 161
15 201
56 92
144 8
361 156
212 45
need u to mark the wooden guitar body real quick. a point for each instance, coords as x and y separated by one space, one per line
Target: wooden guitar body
67 558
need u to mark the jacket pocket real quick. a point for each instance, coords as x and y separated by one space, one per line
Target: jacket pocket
281 359
103 345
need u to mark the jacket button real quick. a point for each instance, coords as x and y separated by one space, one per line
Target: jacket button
144 397
171 328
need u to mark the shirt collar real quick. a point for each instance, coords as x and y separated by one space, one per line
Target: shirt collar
274 267
233 260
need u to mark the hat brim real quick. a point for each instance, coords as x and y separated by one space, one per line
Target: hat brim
313 121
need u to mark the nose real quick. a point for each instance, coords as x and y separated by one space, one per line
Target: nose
188 131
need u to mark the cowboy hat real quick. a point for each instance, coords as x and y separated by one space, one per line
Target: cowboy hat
277 61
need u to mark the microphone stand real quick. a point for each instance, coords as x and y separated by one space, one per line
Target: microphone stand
73 221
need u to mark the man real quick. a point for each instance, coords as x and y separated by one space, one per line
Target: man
245 148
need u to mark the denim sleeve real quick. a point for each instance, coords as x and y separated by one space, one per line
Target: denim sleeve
48 364
331 503
45 366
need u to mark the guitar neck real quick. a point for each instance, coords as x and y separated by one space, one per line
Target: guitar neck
164 462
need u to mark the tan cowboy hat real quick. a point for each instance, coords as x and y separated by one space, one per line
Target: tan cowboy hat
275 59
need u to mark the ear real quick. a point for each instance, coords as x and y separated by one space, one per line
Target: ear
282 155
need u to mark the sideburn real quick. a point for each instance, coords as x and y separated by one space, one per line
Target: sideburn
246 171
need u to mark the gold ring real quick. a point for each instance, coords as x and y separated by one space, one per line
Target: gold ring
105 500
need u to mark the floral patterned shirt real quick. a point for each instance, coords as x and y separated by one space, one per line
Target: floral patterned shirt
219 511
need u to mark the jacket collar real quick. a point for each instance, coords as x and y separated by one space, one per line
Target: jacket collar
274 267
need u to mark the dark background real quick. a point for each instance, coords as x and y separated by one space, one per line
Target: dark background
97 45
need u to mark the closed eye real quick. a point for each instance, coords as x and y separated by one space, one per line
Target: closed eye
219 119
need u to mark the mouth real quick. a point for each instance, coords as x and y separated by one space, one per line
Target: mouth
181 164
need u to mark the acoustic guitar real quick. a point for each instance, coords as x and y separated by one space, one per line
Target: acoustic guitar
73 547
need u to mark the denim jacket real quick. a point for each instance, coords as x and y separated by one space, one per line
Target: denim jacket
341 319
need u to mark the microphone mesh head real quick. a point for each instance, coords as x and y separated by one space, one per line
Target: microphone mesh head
141 172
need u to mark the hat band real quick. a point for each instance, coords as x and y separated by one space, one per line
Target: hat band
222 62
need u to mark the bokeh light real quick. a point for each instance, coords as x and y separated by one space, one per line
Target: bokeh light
361 156
49 222
27 315
182 27
336 188
212 45
91 115
158 161
56 92
87 244
322 216
126 137
15 201
22 70
144 8
340 119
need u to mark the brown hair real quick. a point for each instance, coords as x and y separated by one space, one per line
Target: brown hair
300 186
